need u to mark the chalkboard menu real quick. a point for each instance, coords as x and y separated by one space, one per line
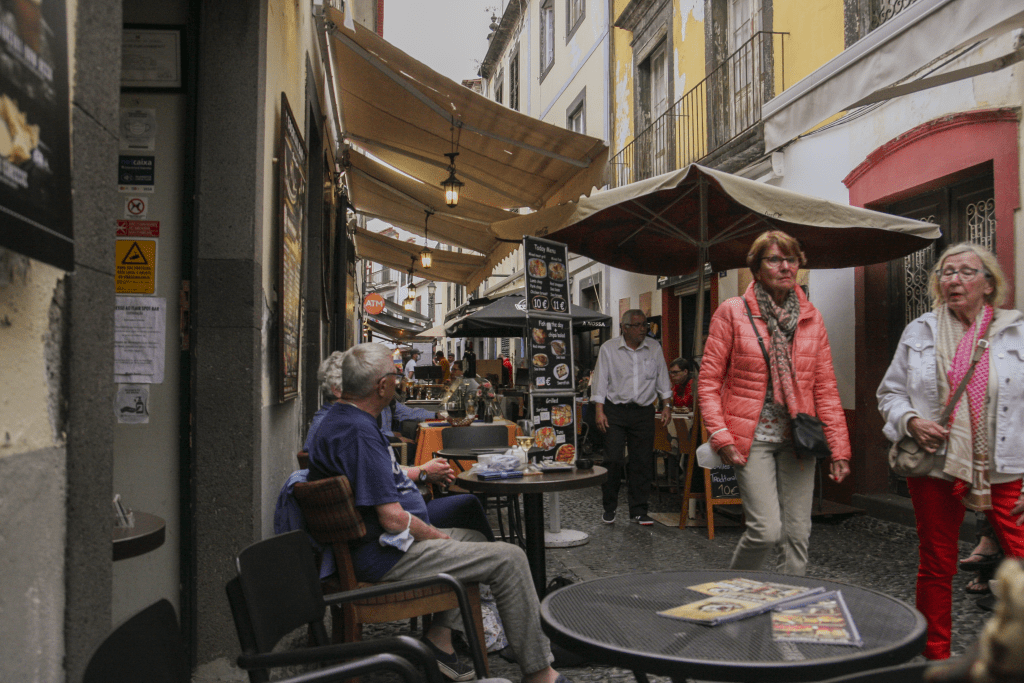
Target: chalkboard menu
547 278
554 428
551 353
723 483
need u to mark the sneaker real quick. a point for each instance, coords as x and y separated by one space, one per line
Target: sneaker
453 668
608 517
643 520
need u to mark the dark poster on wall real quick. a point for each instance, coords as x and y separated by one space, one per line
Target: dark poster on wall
35 159
292 188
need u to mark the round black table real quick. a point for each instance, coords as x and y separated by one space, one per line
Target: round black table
615 620
533 487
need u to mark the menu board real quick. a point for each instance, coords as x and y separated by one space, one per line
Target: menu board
550 353
554 428
35 160
547 278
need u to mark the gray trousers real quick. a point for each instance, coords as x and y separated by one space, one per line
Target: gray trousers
502 566
777 490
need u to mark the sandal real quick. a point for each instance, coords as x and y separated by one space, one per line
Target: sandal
978 586
983 562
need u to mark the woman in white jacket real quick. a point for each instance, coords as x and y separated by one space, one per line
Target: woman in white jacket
978 454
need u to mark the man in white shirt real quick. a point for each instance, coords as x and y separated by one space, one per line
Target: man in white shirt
410 367
630 376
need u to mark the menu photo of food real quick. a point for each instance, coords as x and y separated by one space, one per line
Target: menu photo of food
544 438
565 453
557 347
561 415
540 360
556 271
540 336
537 267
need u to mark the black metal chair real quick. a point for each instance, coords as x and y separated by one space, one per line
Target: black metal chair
277 590
912 672
147 648
480 437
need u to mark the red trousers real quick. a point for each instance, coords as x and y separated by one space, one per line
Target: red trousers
939 514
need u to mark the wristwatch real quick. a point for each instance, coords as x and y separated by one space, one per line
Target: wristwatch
423 476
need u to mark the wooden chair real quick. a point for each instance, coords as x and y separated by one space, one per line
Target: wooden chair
331 518
666 449
303 459
277 590
698 435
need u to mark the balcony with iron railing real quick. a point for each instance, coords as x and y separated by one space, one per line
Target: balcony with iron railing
719 110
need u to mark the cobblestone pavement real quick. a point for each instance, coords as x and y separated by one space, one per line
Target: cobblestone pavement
860 550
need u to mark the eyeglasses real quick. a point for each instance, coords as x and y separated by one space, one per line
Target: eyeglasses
777 261
637 326
965 274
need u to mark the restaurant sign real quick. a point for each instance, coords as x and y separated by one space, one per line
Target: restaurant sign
35 159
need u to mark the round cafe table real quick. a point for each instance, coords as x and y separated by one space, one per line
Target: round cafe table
533 487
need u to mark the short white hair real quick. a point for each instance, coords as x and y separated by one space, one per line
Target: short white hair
329 374
364 365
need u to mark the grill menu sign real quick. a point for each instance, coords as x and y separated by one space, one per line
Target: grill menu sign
547 278
554 428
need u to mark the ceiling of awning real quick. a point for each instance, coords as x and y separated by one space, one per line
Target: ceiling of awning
448 266
403 113
381 192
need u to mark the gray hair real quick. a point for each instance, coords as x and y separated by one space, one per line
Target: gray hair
627 317
993 273
329 375
364 365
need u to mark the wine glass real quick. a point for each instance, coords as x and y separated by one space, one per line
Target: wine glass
525 439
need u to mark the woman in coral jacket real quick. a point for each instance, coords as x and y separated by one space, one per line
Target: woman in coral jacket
747 404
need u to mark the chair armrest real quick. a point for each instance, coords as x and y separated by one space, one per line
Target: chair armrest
342 672
409 648
475 646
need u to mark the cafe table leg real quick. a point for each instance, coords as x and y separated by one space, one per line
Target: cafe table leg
533 513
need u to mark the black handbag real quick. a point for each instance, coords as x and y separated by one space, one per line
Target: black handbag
808 431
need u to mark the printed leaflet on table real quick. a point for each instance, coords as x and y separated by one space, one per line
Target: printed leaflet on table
737 598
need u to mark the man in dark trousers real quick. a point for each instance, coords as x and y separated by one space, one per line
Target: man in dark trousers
630 376
469 362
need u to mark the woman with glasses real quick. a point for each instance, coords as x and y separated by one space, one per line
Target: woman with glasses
768 358
977 457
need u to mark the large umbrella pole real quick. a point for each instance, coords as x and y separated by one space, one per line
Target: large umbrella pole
702 259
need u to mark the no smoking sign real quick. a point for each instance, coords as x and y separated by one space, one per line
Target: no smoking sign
135 207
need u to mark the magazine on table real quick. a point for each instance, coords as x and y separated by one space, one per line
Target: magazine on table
737 598
822 619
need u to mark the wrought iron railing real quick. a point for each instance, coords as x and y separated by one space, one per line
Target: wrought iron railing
884 10
723 106
383 277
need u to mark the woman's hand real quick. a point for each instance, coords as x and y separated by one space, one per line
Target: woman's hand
840 470
1018 510
930 435
730 455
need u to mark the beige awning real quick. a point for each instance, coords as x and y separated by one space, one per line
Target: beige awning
403 113
448 266
917 36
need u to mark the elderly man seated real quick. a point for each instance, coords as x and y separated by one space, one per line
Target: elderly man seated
350 443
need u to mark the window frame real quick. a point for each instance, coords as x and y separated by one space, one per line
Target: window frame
546 38
577 106
570 26
514 80
499 87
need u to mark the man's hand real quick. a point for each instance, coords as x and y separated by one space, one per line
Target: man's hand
666 414
1018 510
930 435
840 470
438 471
730 455
602 421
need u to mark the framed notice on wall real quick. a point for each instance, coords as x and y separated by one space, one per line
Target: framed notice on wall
292 189
35 157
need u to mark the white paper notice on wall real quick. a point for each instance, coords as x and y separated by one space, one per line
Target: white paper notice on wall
140 324
131 405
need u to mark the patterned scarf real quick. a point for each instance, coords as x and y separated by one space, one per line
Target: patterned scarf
781 326
967 450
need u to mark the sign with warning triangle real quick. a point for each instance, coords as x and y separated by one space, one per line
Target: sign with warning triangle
135 266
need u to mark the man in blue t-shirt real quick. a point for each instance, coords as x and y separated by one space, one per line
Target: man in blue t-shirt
349 443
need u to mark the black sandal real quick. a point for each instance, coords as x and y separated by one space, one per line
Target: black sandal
986 562
978 586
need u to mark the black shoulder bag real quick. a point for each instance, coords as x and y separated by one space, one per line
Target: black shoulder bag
808 431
